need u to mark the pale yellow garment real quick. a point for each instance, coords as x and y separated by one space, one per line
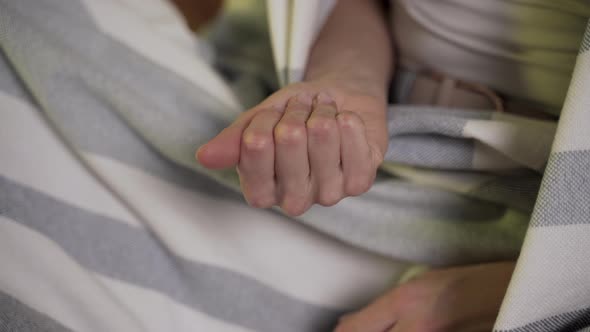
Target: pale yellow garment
523 48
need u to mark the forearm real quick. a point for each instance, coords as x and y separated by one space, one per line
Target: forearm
330 134
354 46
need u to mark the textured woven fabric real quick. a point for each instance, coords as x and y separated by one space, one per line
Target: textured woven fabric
549 290
108 224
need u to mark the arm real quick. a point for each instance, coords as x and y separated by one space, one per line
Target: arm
354 47
323 139
455 299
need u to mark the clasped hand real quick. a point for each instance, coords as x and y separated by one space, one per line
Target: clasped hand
308 143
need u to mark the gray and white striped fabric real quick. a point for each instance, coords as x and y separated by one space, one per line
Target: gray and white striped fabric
550 289
108 224
103 227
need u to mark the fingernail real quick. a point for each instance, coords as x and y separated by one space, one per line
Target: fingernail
324 98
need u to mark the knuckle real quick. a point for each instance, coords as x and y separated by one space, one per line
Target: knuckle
292 101
290 133
329 197
294 211
410 295
261 201
321 126
349 120
357 185
293 207
301 99
257 141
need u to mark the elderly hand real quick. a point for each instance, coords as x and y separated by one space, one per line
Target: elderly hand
462 299
311 142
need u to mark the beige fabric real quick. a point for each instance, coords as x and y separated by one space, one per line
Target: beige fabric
525 49
448 92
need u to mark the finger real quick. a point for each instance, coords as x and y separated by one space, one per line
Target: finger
376 317
402 326
256 165
357 168
356 323
223 151
324 150
291 160
417 323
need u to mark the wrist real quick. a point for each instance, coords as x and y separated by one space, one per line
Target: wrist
352 82
352 70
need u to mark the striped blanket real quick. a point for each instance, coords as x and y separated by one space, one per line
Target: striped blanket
108 224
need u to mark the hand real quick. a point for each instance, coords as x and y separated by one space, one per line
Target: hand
463 299
312 142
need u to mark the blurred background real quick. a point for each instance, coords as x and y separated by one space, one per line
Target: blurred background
237 32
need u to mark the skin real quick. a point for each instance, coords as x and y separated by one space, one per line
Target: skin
320 140
461 299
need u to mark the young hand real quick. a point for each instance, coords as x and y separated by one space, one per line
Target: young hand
462 299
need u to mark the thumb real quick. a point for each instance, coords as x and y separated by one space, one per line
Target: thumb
223 151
